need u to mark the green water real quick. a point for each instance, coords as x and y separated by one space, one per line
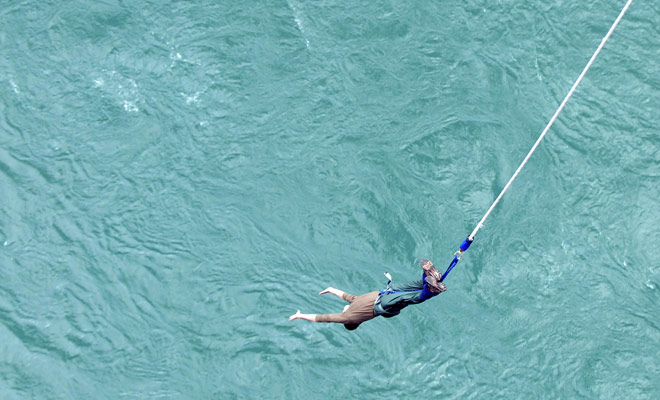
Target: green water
178 177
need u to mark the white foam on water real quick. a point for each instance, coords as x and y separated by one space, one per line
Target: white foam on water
14 86
124 90
176 56
538 70
130 106
299 23
191 98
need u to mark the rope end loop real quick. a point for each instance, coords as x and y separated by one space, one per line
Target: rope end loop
457 256
466 244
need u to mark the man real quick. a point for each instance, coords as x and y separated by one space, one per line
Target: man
387 303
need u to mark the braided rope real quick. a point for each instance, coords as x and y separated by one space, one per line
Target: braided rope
552 120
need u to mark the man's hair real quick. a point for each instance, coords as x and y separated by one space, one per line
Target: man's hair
351 327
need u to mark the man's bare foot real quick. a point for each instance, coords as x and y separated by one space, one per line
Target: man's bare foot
295 316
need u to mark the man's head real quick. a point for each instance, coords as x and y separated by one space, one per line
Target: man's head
351 327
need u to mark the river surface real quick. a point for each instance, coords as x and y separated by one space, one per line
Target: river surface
178 177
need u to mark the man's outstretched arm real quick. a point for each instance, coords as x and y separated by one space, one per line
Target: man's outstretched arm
336 292
299 315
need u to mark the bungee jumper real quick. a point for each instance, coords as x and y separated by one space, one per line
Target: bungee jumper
390 302
387 303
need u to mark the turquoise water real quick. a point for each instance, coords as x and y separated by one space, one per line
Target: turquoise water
177 178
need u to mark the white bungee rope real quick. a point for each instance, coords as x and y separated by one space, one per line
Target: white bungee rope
466 243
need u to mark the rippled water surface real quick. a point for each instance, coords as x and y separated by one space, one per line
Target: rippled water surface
178 177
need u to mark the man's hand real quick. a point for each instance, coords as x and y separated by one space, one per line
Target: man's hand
295 316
